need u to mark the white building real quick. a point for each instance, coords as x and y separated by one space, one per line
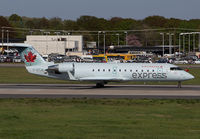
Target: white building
62 44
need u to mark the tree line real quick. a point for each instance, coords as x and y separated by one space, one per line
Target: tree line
134 36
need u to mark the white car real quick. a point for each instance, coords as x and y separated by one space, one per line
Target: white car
197 61
181 62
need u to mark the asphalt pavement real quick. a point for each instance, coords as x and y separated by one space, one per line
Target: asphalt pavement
90 91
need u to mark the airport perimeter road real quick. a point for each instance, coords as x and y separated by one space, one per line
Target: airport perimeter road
12 65
89 91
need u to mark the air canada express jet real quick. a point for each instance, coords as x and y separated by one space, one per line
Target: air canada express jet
100 73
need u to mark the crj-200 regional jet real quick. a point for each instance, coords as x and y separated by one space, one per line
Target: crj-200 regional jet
100 73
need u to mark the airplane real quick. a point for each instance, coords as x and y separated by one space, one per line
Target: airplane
99 73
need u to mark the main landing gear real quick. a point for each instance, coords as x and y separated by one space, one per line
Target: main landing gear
100 84
179 84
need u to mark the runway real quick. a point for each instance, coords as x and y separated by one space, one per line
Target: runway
90 91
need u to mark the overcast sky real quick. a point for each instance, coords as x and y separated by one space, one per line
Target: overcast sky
72 9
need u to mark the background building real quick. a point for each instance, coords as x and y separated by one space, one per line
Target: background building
47 44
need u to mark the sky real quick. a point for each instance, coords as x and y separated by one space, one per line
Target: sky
73 9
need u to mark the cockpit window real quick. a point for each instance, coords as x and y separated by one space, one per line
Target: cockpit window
176 68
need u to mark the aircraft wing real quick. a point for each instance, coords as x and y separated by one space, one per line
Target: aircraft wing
102 79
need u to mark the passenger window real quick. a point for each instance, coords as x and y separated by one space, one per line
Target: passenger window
109 70
98 69
103 70
142 70
125 70
119 70
130 70
93 70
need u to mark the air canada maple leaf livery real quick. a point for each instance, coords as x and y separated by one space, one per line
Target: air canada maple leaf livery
99 73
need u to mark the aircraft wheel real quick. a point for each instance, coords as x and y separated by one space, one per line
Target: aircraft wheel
99 85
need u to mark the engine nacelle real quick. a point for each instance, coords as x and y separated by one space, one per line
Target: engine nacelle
65 67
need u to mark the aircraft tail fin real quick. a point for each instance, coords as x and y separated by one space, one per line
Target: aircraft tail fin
28 54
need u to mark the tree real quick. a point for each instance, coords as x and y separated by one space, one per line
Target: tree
43 23
118 23
29 24
16 20
172 23
56 23
155 21
70 25
4 23
92 23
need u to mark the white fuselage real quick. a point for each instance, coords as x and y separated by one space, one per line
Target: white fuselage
115 72
130 72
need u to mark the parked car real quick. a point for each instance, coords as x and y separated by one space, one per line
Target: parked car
181 61
196 61
162 60
17 59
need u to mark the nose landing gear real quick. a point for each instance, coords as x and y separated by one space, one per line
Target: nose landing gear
179 84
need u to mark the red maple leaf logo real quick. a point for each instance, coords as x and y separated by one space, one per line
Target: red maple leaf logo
30 57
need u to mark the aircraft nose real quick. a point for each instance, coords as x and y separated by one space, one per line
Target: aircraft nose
189 76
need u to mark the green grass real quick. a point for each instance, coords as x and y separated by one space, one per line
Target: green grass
99 118
20 75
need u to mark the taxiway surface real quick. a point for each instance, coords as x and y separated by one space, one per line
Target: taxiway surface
89 91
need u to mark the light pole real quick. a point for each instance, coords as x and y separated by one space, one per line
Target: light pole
98 40
163 42
7 32
189 41
104 42
125 37
68 33
46 41
57 33
183 42
117 39
42 32
2 36
170 42
193 42
179 45
31 32
199 42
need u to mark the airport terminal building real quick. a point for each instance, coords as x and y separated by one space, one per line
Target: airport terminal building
61 44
